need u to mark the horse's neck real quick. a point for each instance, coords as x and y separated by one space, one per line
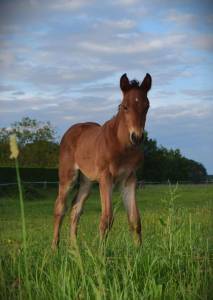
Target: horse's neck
118 129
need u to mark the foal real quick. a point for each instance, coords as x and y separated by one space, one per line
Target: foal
108 154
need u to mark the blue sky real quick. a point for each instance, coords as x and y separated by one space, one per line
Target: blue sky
62 60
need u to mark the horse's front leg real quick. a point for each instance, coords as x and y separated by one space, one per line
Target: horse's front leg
129 190
106 221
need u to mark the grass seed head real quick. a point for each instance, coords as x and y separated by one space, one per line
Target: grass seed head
13 147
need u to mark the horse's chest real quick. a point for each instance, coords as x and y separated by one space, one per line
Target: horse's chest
122 167
123 172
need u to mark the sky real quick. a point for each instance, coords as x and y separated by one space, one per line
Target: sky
61 61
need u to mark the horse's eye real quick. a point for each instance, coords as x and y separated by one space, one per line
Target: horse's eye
125 107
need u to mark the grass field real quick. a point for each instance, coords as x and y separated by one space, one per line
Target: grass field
175 261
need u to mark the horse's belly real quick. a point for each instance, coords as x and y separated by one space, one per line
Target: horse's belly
88 168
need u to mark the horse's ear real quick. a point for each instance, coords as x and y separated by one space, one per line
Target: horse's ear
124 83
146 83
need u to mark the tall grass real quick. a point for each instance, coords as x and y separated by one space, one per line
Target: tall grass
174 262
14 155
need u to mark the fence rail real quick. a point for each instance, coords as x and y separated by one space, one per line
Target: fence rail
140 184
39 182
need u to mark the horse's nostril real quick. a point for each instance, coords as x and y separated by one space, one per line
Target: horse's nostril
135 139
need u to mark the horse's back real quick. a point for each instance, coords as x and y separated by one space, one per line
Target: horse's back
72 135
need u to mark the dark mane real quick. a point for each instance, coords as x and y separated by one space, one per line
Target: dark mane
134 84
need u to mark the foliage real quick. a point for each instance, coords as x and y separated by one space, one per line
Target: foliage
45 154
8 174
161 164
37 143
30 130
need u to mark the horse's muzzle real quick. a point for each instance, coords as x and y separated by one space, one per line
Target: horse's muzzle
135 139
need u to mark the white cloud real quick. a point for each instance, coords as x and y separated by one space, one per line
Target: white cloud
196 110
181 18
6 59
199 94
123 24
139 44
126 2
204 42
72 5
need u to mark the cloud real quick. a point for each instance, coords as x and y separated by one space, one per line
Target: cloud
203 42
123 24
62 61
181 18
137 45
6 88
204 95
65 5
126 2
197 110
24 106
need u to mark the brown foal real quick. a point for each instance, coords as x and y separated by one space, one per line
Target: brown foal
108 154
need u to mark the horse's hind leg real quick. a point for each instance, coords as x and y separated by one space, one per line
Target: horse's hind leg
77 205
68 180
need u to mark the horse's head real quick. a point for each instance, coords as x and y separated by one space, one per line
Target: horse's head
134 106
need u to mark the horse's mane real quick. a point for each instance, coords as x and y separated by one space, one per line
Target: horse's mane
134 84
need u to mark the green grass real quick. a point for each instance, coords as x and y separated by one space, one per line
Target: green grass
175 261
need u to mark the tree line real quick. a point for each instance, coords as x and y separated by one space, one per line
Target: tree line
39 147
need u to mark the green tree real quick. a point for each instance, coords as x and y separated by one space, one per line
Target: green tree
4 135
37 142
30 130
161 164
43 154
